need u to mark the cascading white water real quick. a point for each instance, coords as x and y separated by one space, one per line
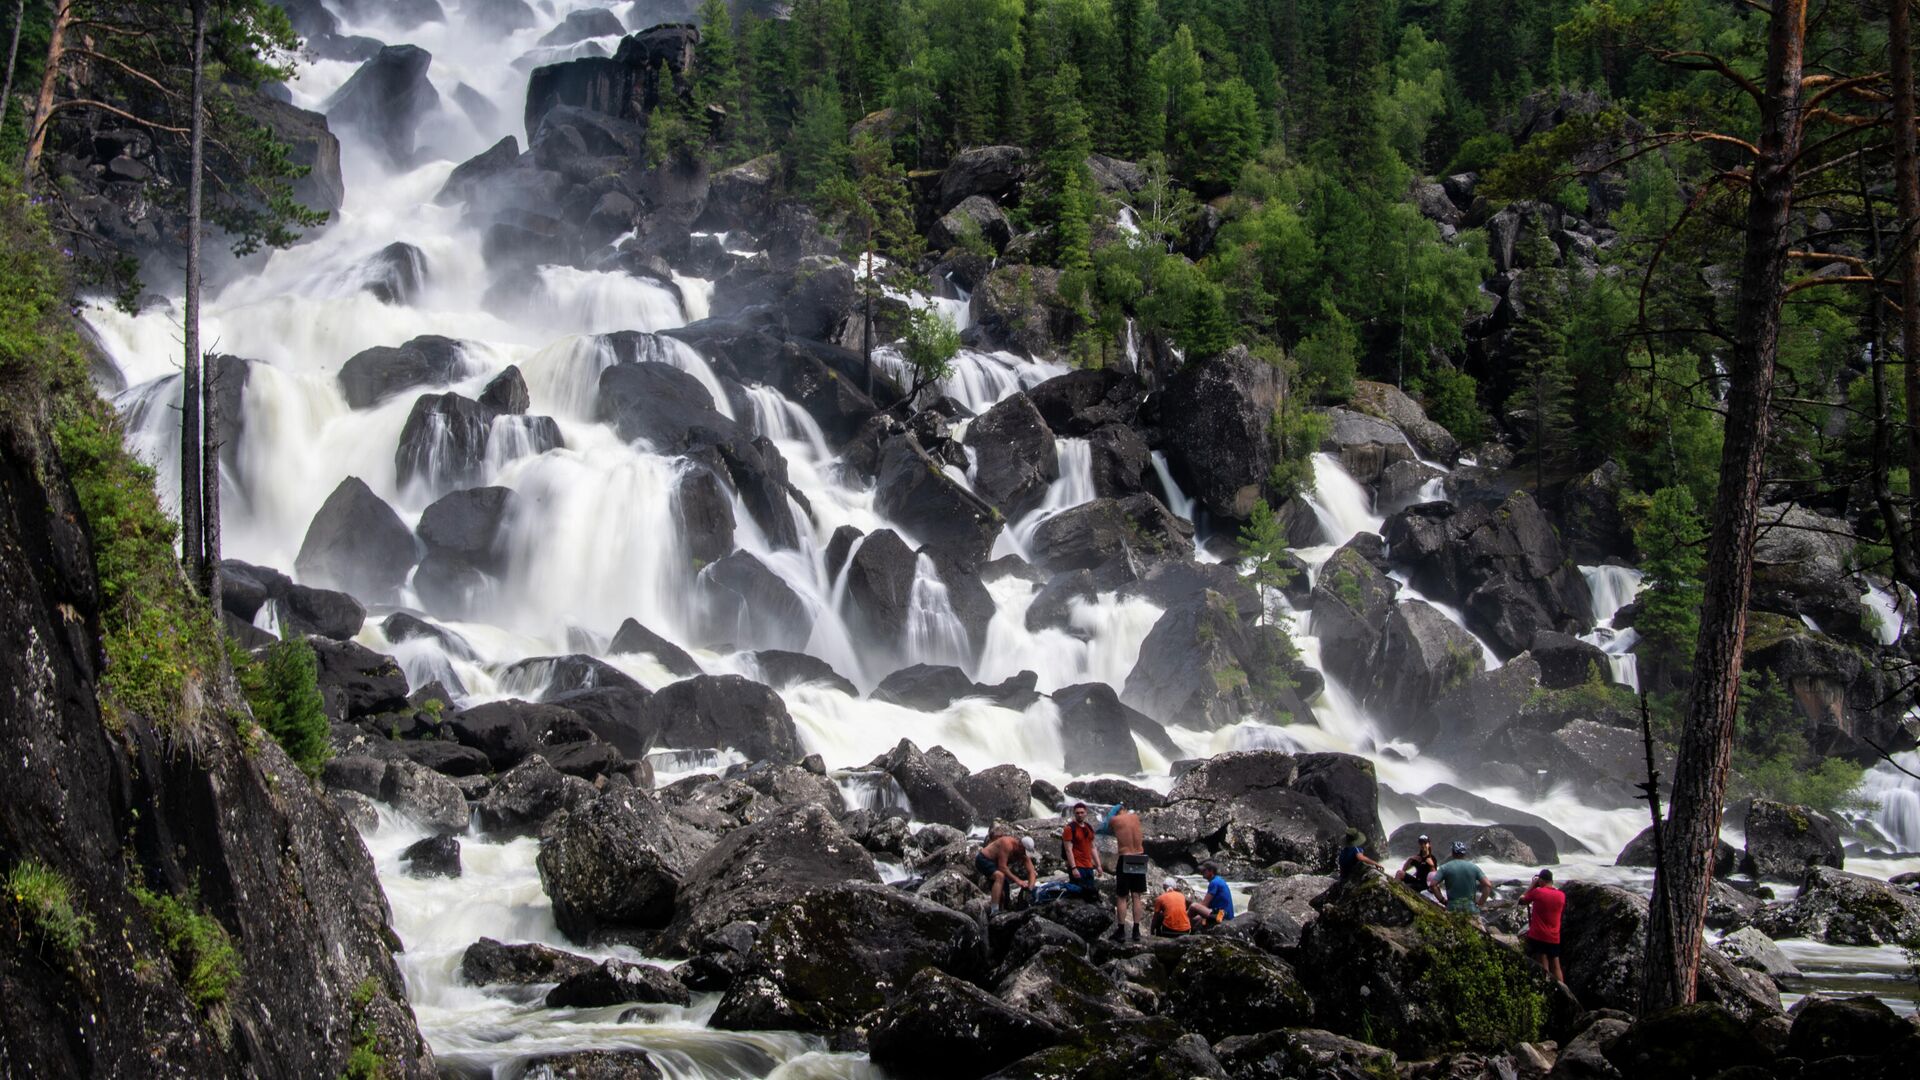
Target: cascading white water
935 634
1177 500
1073 487
1891 619
1898 798
1612 588
1342 506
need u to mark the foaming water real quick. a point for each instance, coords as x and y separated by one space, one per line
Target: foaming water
1074 487
1898 797
1339 502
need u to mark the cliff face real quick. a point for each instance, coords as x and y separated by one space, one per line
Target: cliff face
153 832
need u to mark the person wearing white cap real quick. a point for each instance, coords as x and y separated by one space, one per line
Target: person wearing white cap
1170 911
1418 867
992 863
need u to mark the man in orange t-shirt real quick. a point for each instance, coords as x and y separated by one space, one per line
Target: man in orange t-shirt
1170 912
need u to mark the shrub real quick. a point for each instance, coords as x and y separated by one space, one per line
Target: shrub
204 959
1485 1003
283 690
43 900
364 1060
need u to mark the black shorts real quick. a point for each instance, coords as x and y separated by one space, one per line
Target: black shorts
985 866
1131 878
1550 949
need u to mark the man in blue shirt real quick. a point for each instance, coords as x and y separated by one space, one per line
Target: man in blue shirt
1218 905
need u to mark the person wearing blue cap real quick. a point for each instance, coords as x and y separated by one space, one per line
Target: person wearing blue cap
1459 881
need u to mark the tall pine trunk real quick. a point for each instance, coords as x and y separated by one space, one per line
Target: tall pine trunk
192 430
1685 878
13 58
49 80
1906 173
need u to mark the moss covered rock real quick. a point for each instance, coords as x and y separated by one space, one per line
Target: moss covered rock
1221 988
1387 967
948 1029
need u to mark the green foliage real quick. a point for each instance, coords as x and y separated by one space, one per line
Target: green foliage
1479 153
1065 202
1671 540
1452 400
818 153
929 347
717 83
1771 758
284 693
204 959
1263 545
1488 1003
1329 357
42 900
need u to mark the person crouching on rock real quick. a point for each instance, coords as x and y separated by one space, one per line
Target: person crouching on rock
1130 876
1353 855
1083 864
1170 912
994 863
1218 906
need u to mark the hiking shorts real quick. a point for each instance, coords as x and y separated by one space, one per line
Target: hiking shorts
1549 949
1131 878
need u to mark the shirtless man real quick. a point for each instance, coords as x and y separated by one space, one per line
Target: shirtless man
1130 876
993 862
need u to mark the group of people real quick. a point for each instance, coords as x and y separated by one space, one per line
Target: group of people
1007 861
1461 886
1458 884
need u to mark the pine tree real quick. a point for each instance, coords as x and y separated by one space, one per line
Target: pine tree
1067 203
818 147
1540 341
716 84
1670 537
1142 118
1263 545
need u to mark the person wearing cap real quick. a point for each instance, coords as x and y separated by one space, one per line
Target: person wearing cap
1353 854
1170 911
1083 862
1544 905
1419 867
1460 882
993 862
1218 905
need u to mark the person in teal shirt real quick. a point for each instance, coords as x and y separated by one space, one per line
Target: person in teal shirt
1460 882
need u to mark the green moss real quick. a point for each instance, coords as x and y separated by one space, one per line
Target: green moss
204 959
1488 1003
364 1060
42 899
1228 679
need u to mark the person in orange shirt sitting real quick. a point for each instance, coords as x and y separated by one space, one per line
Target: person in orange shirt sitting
1170 912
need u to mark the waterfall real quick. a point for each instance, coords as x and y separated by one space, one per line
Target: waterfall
1891 620
1612 588
1072 488
1177 500
1339 502
1898 797
935 635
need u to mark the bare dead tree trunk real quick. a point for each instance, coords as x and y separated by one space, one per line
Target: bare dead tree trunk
1906 171
210 493
13 58
1683 881
49 79
192 428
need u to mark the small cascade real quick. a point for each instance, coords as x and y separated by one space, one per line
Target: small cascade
1072 488
1339 502
1898 797
512 438
600 302
1886 607
1133 346
786 423
1177 500
935 635
1612 588
1454 615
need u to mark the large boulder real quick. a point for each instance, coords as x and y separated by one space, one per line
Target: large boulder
1802 563
725 712
626 86
1203 666
829 958
1085 400
1365 445
1422 654
521 799
632 637
506 731
931 792
355 681
1477 707
1214 418
944 1028
749 605
470 527
915 492
617 716
1603 943
977 219
385 101
614 867
357 544
1014 456
1845 909
374 375
1351 602
1019 308
452 441
992 172
1387 402
879 579
1700 1039
1784 841
1096 730
1639 852
1221 989
488 962
1137 531
1299 1051
1503 566
1386 964
1002 793
761 868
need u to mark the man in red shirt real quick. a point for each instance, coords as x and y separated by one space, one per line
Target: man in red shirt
1544 905
1076 846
